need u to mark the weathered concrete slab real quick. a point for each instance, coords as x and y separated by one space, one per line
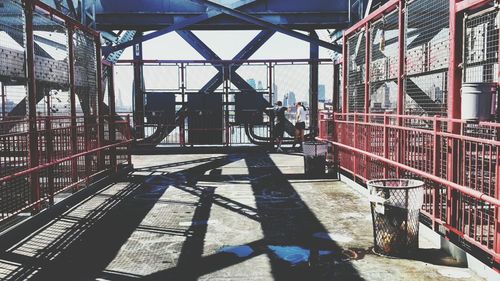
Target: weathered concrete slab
218 217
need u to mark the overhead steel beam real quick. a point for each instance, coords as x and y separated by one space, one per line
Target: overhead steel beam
183 24
262 23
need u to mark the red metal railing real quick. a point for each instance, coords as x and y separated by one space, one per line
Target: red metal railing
58 164
418 71
467 206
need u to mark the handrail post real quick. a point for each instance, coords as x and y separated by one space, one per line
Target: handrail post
435 167
355 139
386 143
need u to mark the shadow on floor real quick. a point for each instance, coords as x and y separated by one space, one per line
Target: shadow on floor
81 243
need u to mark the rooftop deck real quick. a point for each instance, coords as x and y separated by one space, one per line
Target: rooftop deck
217 217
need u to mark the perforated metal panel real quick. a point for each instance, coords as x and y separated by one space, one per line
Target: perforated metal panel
384 63
481 47
427 51
12 40
86 72
356 72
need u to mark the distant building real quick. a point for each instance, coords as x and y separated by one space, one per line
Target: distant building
290 99
321 93
259 86
252 83
275 92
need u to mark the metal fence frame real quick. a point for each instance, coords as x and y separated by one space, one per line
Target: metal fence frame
53 154
458 161
233 134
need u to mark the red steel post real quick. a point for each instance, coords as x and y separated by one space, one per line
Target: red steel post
454 84
386 143
355 139
496 241
367 72
345 62
32 101
401 60
400 81
436 157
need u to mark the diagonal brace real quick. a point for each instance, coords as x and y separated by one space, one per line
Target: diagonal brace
265 24
177 26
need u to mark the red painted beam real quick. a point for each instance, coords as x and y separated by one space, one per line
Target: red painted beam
386 8
469 4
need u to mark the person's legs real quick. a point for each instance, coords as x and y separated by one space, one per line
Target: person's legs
280 131
296 138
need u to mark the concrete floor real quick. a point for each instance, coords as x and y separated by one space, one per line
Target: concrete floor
218 217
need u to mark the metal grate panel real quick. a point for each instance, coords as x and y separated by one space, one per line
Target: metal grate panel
384 63
356 72
481 47
427 51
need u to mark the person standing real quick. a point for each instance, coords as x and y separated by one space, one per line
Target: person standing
279 128
300 124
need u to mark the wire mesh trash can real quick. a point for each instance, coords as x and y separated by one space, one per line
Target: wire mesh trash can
395 206
315 158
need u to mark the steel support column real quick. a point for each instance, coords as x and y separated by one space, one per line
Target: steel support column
112 116
271 101
100 106
72 95
3 99
138 91
182 125
32 101
336 87
49 147
454 84
313 85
